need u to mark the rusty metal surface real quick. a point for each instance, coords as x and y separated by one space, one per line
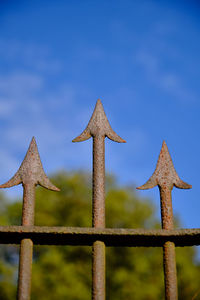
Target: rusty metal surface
166 178
43 235
98 128
30 174
25 270
169 265
98 270
31 171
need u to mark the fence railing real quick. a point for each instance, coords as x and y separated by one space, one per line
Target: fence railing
31 174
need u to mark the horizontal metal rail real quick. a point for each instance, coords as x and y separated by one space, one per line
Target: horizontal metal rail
43 235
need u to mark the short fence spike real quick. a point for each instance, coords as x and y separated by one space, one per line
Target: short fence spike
165 173
165 177
30 174
31 171
98 128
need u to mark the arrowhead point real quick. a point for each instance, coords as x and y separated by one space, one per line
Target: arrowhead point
99 125
31 171
165 174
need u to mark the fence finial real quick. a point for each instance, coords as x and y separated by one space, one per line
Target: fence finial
165 173
31 171
99 124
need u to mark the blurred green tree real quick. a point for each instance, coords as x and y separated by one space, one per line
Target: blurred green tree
65 272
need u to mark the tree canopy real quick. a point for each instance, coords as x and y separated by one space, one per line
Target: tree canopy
65 271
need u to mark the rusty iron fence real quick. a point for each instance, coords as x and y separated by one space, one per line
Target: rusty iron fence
31 174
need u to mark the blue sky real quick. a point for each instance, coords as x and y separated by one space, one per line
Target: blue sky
141 58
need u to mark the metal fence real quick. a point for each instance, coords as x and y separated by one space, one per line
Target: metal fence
31 174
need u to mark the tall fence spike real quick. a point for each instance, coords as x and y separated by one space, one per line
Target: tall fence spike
99 125
98 128
166 178
30 174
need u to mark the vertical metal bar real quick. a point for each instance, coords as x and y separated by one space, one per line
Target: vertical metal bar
166 178
25 269
98 220
26 246
169 255
98 128
30 174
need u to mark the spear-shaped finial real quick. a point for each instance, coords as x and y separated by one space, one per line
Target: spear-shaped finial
99 125
98 128
31 171
165 177
165 173
30 174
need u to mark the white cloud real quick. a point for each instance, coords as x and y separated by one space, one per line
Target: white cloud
6 107
8 164
19 83
37 57
166 80
30 107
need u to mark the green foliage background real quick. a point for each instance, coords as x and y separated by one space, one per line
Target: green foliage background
65 272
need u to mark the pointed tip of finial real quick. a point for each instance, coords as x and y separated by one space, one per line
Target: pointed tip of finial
31 171
99 125
164 146
32 145
165 173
